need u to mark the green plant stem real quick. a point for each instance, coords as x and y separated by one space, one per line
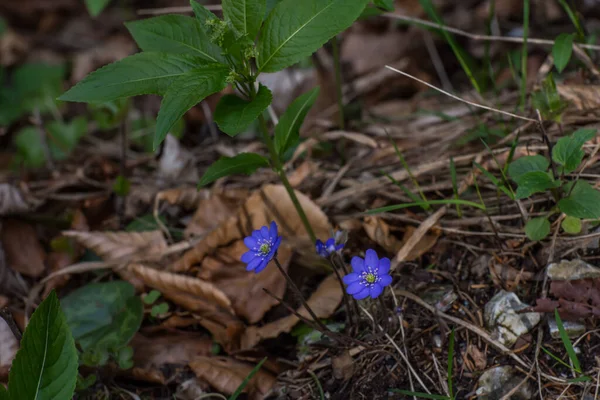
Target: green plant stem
338 80
283 177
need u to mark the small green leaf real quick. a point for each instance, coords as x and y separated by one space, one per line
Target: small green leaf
387 5
159 309
562 49
525 164
29 147
244 163
142 73
125 357
296 29
174 34
287 131
246 16
187 91
121 186
234 115
548 100
535 182
537 228
571 225
46 365
583 202
151 297
64 136
95 7
84 383
567 151
103 315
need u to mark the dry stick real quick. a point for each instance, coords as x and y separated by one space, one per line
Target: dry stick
6 315
474 36
546 140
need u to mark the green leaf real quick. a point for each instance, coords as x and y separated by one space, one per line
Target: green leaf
3 393
46 365
562 49
564 336
296 29
122 186
64 136
174 34
270 6
202 14
142 73
187 91
29 147
568 153
535 182
287 131
247 380
246 16
95 7
387 5
244 163
151 297
103 315
548 100
159 309
526 164
234 115
571 225
537 228
125 357
583 202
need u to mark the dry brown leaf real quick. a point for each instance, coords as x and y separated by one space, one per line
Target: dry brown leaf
306 169
245 289
343 366
424 245
22 249
213 209
8 349
379 232
324 301
151 354
474 358
12 47
226 375
270 203
584 97
123 246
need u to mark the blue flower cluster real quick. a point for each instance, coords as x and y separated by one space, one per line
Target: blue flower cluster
368 278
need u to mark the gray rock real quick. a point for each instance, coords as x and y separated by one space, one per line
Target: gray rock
572 270
573 329
442 297
498 381
502 317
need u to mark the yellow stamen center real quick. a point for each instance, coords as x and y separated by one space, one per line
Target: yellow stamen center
264 248
370 278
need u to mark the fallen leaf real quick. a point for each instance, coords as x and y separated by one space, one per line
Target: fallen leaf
306 169
324 301
8 349
226 375
12 47
343 366
214 208
424 245
474 358
12 200
271 203
583 97
379 232
23 250
151 354
245 289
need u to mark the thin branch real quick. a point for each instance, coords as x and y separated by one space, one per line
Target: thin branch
7 316
458 98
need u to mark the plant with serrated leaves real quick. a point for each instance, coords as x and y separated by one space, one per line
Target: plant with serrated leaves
575 198
186 59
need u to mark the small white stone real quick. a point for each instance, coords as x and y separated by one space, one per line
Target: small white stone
502 317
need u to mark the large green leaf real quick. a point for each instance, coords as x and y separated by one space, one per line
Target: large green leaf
234 115
202 15
187 91
296 29
526 164
142 73
174 34
535 182
3 393
246 16
568 153
288 128
45 367
103 315
244 163
583 202
562 50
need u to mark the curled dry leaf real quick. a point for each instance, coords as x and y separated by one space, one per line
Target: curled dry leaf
8 349
324 301
226 375
186 197
379 231
271 203
306 169
343 366
23 250
245 289
12 200
214 208
424 245
152 353
474 359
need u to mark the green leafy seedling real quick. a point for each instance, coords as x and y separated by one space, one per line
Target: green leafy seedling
562 50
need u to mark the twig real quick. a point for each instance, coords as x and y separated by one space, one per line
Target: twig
458 98
6 315
546 140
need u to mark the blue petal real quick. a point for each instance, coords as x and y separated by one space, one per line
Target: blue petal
385 280
339 247
264 232
277 243
330 242
384 266
262 266
254 263
362 294
358 264
250 242
350 278
273 230
256 234
248 256
376 290
355 288
371 259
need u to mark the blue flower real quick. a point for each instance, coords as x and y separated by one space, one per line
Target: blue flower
263 245
327 248
368 276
